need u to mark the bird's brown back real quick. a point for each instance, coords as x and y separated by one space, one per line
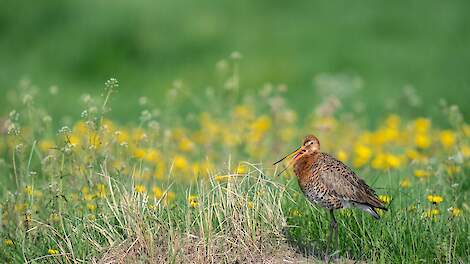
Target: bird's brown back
330 182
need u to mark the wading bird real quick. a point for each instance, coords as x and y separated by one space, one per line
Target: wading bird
331 184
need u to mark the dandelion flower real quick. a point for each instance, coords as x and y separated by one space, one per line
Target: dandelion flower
455 212
435 199
421 173
431 213
342 155
386 199
8 242
405 183
53 251
447 138
139 188
193 201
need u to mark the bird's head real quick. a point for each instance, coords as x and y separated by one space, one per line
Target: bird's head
310 146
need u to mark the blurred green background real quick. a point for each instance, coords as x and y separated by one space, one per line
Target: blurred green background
78 45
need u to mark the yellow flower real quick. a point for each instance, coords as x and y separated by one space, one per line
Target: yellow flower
393 161
447 138
465 150
452 169
139 188
405 183
54 217
241 169
74 141
28 190
363 154
422 141
180 163
151 155
295 213
91 206
435 199
422 125
242 112
157 192
386 199
46 145
455 211
53 251
193 201
342 155
250 205
8 242
138 153
221 178
421 173
122 137
431 213
186 145
100 190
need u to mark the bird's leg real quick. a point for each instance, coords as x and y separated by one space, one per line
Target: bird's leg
334 229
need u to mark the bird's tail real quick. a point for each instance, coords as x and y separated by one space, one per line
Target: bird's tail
373 211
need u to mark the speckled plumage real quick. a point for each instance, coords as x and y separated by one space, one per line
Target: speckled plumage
331 184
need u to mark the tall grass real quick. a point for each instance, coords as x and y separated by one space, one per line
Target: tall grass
201 188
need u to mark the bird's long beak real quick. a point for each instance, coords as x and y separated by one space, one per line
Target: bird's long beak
297 154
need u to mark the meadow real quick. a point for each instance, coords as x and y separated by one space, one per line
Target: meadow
201 187
134 132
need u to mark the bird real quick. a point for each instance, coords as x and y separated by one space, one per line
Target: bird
329 183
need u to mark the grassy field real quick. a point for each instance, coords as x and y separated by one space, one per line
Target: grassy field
201 188
173 163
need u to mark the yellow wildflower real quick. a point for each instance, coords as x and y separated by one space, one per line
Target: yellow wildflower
8 242
422 141
138 153
465 150
151 155
431 213
363 154
139 188
386 199
53 251
250 205
193 201
122 137
447 138
46 145
242 112
91 206
54 217
393 161
455 212
157 192
422 125
421 173
180 163
452 169
186 145
100 190
405 183
241 169
342 155
295 213
435 199
74 141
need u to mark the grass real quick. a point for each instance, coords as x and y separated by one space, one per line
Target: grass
200 187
